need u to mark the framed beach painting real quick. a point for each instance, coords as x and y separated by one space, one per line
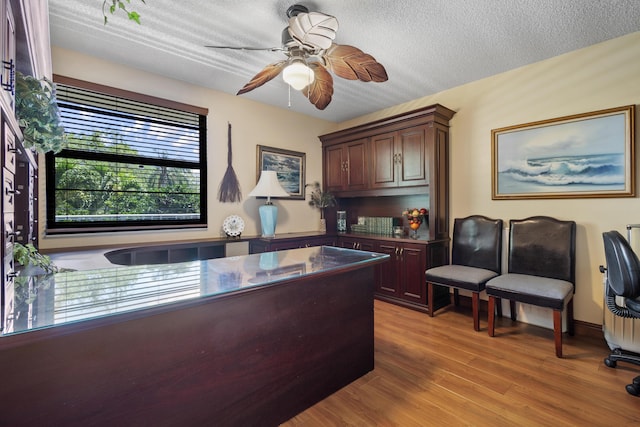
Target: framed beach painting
289 166
579 156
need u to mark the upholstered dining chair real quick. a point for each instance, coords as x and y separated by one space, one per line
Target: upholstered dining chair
476 256
540 271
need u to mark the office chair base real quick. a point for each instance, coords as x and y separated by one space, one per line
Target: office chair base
634 389
619 355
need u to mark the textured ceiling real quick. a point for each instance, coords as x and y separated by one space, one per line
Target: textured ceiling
425 46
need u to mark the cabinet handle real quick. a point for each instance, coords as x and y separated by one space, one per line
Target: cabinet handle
399 158
8 191
9 85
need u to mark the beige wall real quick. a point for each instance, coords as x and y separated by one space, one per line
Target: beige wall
253 124
602 76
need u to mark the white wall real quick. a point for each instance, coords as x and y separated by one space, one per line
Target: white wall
252 124
599 77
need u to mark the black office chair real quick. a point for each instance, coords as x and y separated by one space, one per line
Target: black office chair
476 257
541 271
622 280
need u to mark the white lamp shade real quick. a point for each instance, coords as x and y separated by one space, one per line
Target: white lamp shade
268 186
298 75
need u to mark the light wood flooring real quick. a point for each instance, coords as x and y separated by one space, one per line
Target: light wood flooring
440 372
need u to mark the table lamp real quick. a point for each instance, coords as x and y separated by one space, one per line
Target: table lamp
268 186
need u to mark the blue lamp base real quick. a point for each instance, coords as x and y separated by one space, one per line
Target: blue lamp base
268 219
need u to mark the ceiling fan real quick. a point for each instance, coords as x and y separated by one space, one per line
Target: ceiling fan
311 53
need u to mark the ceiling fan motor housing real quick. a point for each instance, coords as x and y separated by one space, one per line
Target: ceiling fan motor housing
295 10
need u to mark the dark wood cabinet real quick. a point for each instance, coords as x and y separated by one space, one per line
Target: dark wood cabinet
361 244
290 241
24 47
26 209
401 281
408 156
400 159
345 166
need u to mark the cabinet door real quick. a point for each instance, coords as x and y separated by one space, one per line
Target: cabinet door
413 265
383 161
388 282
356 243
7 52
412 153
357 173
334 168
319 241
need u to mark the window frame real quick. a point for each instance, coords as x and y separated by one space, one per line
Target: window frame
53 227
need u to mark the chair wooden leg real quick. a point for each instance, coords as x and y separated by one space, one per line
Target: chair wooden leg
475 305
492 316
430 298
456 297
570 322
512 307
557 331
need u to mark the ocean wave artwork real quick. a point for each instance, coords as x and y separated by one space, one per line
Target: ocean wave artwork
564 173
576 156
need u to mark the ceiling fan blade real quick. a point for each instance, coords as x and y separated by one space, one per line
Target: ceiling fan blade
313 30
270 49
351 63
321 90
268 73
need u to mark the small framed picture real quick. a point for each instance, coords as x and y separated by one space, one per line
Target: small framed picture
289 166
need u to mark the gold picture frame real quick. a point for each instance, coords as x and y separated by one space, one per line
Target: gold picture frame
588 155
289 166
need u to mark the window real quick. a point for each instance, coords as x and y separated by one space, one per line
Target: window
133 162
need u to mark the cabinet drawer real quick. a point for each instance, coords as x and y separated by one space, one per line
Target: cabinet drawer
9 231
9 150
9 192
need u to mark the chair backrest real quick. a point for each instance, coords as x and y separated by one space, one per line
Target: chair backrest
543 246
477 242
623 267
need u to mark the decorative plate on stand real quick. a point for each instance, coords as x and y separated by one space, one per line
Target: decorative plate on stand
233 226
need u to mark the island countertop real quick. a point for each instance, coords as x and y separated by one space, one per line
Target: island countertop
247 340
80 296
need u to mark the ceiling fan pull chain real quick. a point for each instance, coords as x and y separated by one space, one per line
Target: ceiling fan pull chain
289 86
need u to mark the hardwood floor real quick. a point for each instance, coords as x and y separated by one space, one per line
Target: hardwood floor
439 371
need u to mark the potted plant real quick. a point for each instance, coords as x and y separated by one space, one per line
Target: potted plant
38 114
321 200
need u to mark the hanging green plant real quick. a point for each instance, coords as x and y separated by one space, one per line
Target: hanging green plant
28 256
119 5
38 114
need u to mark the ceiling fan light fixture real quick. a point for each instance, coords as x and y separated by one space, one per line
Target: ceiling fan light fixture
298 75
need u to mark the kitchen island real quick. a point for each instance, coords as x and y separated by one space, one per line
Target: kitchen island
248 340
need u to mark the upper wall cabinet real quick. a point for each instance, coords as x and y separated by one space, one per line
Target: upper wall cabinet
345 166
380 157
400 159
